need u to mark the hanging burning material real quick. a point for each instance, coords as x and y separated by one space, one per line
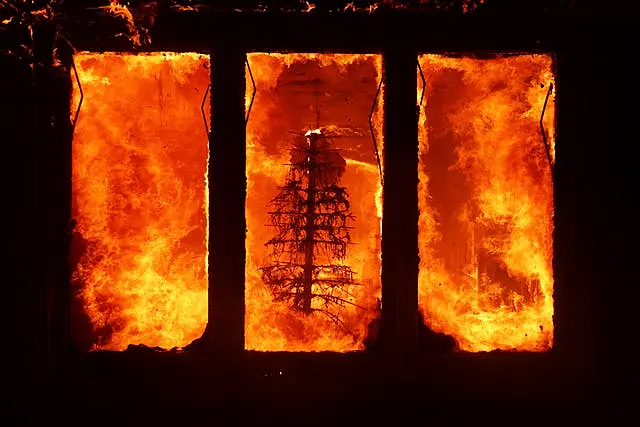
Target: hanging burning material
311 213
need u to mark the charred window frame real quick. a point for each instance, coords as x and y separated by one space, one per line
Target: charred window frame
225 331
227 297
400 48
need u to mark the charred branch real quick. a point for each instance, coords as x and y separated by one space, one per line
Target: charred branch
311 214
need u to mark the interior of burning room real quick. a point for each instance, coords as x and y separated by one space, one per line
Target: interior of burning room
486 144
139 250
140 153
313 136
314 159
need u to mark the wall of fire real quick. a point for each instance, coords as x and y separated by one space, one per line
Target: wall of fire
141 178
449 152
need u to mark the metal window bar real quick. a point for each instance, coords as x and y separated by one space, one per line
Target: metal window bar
253 94
542 129
204 116
75 118
373 135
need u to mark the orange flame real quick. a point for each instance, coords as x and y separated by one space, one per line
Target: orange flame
122 11
486 202
139 167
285 102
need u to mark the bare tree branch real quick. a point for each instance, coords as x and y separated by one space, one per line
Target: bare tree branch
311 214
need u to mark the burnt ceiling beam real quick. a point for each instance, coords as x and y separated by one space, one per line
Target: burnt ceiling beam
361 32
340 32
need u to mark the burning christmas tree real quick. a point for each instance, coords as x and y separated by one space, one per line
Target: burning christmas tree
311 215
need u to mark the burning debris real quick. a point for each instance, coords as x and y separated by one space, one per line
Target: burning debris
311 216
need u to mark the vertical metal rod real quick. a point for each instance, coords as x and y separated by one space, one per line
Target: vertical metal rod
373 134
75 118
204 102
253 93
542 130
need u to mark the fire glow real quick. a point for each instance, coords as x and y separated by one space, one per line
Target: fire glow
140 154
486 202
291 90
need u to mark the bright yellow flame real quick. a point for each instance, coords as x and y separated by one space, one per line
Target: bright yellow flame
140 198
486 202
285 103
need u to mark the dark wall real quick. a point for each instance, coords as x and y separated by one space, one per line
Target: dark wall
16 124
613 192
598 214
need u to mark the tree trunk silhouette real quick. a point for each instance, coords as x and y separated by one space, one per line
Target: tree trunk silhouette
310 214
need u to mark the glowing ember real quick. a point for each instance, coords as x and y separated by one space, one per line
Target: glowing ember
139 197
486 202
291 89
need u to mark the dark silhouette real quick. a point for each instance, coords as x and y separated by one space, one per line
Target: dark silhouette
429 341
311 213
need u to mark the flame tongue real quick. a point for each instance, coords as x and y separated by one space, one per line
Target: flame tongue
286 100
313 132
486 202
139 162
486 199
